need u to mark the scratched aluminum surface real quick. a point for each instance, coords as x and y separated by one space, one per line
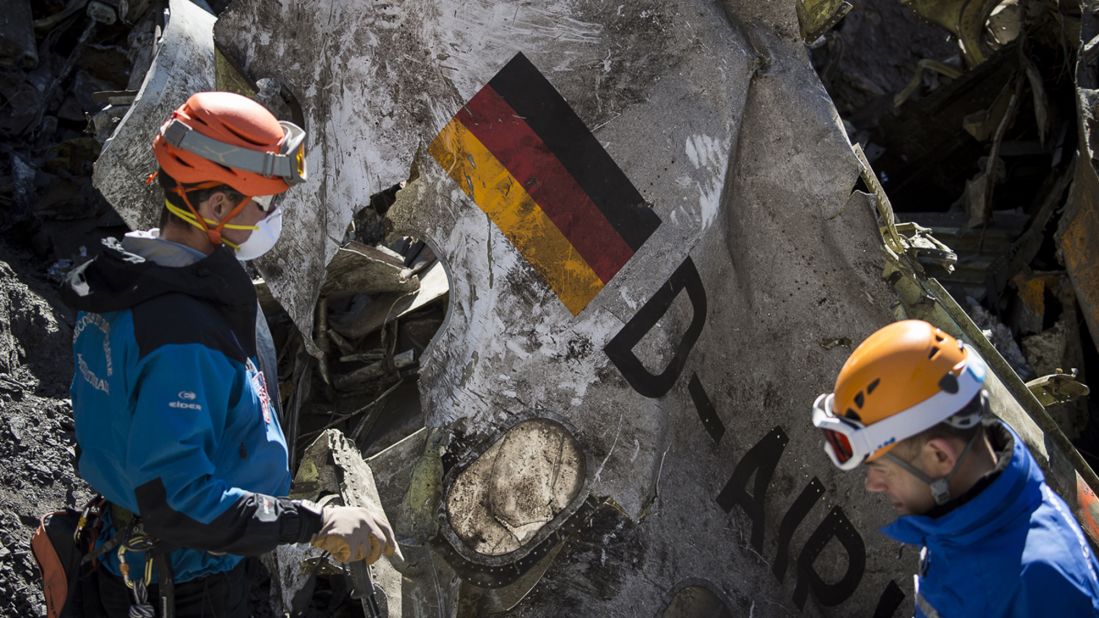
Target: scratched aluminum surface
683 355
184 63
714 115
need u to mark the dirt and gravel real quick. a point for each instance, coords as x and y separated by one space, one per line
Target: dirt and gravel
37 444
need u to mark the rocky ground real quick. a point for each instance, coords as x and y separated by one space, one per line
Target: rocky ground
36 427
51 60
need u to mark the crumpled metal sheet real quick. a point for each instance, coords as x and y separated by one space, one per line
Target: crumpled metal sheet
923 297
965 19
184 64
376 83
717 323
686 373
332 470
1078 235
1079 226
694 365
362 269
819 16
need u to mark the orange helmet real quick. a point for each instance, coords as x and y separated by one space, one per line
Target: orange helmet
221 138
905 378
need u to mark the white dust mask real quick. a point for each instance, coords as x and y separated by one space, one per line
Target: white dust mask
264 237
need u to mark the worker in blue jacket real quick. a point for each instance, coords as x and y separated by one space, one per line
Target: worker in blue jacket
910 404
172 392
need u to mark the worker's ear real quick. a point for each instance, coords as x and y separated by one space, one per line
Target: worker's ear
939 455
219 204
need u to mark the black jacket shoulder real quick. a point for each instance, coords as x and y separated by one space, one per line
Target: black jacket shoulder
178 318
212 301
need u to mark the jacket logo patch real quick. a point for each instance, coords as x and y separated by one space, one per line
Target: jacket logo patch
259 385
187 395
97 383
100 324
184 405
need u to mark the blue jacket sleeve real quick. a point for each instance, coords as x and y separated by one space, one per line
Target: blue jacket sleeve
182 401
1046 590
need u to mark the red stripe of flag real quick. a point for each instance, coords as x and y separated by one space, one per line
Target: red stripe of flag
531 162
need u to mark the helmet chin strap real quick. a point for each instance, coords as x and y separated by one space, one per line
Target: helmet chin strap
213 234
940 488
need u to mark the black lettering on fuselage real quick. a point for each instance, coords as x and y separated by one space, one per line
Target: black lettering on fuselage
891 599
790 522
760 462
835 526
620 348
711 422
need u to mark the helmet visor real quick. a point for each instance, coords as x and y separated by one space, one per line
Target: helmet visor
266 203
841 446
293 147
840 434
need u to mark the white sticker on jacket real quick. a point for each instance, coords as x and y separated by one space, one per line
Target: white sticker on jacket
259 386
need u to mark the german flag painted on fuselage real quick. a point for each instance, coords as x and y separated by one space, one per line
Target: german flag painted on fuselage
527 160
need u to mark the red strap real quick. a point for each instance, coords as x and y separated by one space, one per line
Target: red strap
55 582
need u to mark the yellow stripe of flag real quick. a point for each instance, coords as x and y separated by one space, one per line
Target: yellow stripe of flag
495 191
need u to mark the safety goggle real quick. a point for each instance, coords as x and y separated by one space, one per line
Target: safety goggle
848 442
288 163
266 202
845 440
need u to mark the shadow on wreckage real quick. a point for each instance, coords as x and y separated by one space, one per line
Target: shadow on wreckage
981 150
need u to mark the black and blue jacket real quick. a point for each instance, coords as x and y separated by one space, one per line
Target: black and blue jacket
174 420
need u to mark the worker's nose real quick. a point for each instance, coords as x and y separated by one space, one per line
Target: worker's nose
874 483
